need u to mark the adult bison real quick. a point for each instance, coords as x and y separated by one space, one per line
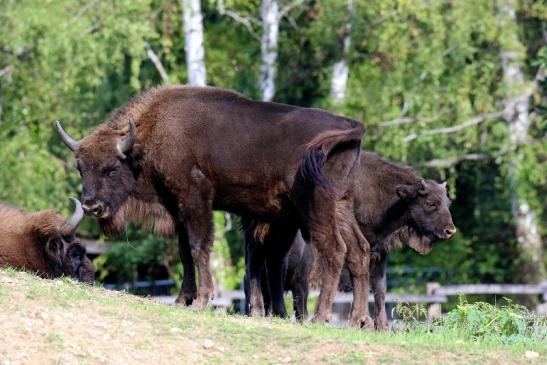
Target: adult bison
393 206
172 155
44 243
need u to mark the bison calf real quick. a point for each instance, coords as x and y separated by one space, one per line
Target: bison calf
393 206
44 243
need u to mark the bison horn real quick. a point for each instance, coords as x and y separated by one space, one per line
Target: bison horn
423 188
125 145
68 140
71 224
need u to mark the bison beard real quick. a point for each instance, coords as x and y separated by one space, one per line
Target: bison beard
177 153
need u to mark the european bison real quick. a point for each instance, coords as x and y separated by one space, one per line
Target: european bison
393 206
171 155
44 243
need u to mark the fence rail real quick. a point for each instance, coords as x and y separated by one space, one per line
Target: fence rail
435 297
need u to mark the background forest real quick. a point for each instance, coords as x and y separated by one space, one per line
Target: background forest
455 88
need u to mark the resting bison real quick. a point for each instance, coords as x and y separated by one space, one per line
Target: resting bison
44 243
393 206
172 155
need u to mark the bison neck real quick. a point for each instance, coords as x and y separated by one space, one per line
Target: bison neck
379 210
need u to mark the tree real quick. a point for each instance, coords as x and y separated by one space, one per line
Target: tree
195 50
340 70
517 106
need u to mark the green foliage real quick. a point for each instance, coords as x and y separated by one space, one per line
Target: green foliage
423 65
506 323
479 321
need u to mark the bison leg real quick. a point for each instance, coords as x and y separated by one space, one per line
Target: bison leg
379 286
300 284
197 212
278 243
300 293
188 290
358 257
331 250
254 268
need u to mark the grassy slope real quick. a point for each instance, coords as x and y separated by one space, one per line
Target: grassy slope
59 321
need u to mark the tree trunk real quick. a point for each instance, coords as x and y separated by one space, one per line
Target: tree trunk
517 102
340 71
269 13
194 45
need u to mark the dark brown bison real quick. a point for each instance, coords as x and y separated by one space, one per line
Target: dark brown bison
172 155
44 243
393 206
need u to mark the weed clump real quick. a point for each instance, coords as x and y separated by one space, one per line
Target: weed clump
479 321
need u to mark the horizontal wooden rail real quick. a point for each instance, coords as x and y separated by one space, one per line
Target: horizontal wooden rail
508 289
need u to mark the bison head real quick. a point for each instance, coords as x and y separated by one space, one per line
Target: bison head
107 173
428 215
64 253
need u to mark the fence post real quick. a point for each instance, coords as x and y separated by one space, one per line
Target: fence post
433 309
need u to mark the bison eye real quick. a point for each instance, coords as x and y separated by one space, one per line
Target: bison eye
111 172
431 204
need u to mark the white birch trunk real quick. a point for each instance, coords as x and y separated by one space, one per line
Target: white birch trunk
516 114
340 71
194 44
269 13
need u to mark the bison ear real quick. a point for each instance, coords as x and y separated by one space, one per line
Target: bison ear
54 254
403 191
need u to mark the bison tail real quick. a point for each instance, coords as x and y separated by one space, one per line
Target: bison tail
317 151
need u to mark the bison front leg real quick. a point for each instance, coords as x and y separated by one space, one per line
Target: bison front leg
188 290
196 206
358 258
379 286
201 235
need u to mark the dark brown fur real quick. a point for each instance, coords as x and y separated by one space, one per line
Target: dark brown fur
199 149
33 242
391 207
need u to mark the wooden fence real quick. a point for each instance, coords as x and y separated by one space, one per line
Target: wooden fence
435 297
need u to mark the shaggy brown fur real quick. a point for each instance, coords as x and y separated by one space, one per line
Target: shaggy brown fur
199 149
393 206
33 242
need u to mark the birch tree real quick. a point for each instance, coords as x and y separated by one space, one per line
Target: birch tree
340 71
269 13
194 43
517 104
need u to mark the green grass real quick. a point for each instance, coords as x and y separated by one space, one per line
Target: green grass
60 321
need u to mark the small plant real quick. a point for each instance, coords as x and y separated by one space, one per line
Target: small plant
506 323
412 317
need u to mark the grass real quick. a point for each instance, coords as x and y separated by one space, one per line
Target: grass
63 322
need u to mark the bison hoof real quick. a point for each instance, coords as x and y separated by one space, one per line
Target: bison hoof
381 325
364 322
317 319
200 303
257 312
185 299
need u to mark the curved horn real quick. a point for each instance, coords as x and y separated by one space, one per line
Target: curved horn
68 140
423 188
72 223
125 145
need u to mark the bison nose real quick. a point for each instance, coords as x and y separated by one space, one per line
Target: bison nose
450 231
93 208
